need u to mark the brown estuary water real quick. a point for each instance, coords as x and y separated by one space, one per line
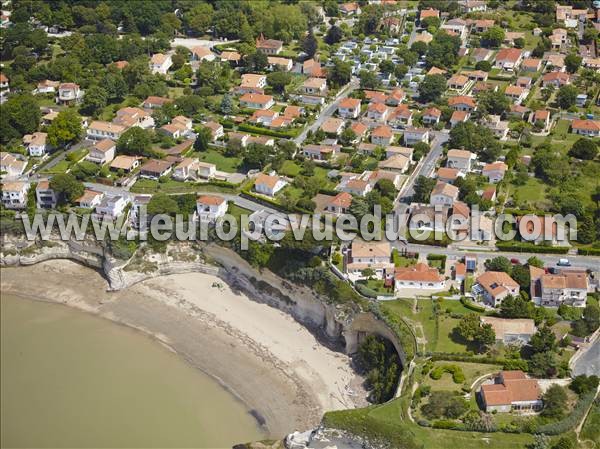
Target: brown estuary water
69 379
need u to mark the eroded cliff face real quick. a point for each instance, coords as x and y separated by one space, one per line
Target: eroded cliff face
339 325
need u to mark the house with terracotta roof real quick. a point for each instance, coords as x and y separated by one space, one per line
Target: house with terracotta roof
511 331
313 68
350 9
494 286
457 82
160 63
432 116
482 25
413 135
45 196
338 204
360 129
516 93
443 194
99 130
459 117
401 117
378 112
397 163
277 63
154 102
252 83
216 130
269 184
125 163
200 53
130 116
589 128
102 152
419 276
556 79
210 207
375 255
36 143
531 65
269 46
508 59
349 108
511 391
155 168
256 101
498 127
321 152
382 135
462 103
354 185
46 87
232 57
568 287
333 126
429 12
89 199
470 6
449 175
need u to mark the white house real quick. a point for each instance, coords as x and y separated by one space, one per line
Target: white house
374 255
36 143
443 194
69 93
269 185
256 101
460 159
413 136
160 63
421 276
349 108
111 207
99 130
45 196
210 207
102 152
494 286
14 194
511 390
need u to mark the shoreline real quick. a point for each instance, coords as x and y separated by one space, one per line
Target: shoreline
275 366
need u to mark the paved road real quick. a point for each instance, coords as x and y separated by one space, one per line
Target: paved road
327 111
589 362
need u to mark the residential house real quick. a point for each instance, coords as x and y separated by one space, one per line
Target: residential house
378 112
89 199
556 79
414 135
494 171
498 127
315 86
462 103
354 186
269 184
277 63
153 102
431 116
470 6
102 152
374 255
448 175
456 26
419 277
111 207
426 219
160 63
511 331
36 143
350 9
216 130
516 93
395 97
256 101
232 57
401 117
508 59
589 128
459 117
243 138
333 126
531 65
252 84
270 47
200 53
443 194
525 82
206 170
396 163
552 290
511 391
11 166
313 68
263 117
360 129
429 12
125 163
46 87
321 152
457 82
494 286
155 168
349 108
98 130
338 204
482 25
210 207
134 117
14 194
541 119
382 135
69 94
460 159
476 75
481 54
45 196
186 169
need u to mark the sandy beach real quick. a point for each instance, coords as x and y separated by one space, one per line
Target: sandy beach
260 354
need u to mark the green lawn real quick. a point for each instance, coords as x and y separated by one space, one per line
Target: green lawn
61 167
591 428
472 372
223 163
290 168
172 186
533 191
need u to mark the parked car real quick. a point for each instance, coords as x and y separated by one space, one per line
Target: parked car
563 263
514 261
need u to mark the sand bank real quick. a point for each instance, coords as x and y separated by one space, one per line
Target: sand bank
262 355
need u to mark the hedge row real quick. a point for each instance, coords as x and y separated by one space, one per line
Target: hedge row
588 251
439 356
470 305
266 132
530 248
572 420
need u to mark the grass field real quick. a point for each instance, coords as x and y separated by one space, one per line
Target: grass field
472 372
591 428
172 186
223 163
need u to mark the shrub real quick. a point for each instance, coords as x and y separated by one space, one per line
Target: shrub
572 419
